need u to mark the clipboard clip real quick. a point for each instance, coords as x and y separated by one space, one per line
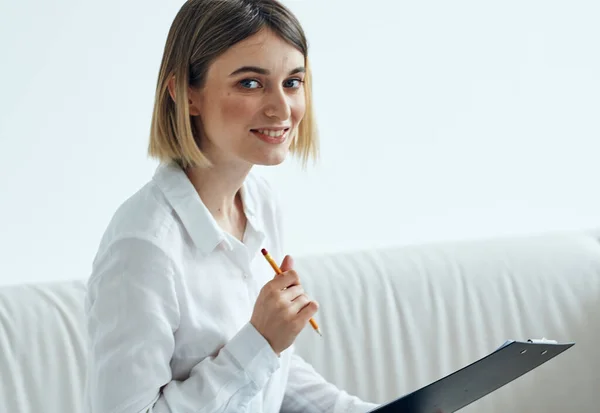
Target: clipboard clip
542 340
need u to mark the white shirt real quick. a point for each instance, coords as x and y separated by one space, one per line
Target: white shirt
168 307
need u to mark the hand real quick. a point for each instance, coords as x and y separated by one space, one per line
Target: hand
282 309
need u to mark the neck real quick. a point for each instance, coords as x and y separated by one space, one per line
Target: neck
219 186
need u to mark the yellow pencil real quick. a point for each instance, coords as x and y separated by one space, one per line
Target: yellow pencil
278 271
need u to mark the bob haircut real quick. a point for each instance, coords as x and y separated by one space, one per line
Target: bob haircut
200 32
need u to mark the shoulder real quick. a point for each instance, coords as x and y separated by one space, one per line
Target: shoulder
145 217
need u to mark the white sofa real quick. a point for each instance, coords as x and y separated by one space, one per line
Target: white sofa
393 320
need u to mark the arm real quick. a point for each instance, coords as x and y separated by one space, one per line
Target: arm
132 314
309 392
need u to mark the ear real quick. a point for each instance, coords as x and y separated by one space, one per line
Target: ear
193 97
195 101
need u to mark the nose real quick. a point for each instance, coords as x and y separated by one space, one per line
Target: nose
277 104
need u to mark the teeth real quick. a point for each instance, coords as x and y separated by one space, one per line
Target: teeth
272 133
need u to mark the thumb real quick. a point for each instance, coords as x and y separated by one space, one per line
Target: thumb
287 264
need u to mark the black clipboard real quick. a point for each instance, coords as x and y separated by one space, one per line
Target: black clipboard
469 384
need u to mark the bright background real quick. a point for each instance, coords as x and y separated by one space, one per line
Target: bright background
440 121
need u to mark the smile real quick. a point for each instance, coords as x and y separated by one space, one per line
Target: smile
270 132
271 135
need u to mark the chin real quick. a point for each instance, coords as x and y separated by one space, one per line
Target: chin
270 159
273 160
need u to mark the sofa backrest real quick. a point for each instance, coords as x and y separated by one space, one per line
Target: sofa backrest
397 319
42 348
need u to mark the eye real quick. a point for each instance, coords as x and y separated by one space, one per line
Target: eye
250 84
293 83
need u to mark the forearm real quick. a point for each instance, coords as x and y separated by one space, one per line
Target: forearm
226 383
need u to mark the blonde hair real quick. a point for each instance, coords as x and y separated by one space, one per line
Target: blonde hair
200 32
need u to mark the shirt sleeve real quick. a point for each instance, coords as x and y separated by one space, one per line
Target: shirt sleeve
132 316
309 392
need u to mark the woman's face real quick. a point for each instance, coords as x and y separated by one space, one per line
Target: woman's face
252 102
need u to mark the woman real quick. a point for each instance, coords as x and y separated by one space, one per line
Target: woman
184 314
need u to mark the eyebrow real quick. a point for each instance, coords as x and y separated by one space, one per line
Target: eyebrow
261 71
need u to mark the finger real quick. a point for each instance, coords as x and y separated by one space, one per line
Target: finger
299 304
285 280
308 310
292 293
287 264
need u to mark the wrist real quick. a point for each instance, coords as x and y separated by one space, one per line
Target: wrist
269 341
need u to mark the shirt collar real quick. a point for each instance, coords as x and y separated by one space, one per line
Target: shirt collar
201 226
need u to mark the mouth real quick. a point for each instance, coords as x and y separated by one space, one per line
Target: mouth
271 135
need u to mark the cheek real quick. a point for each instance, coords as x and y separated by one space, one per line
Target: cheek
236 110
298 109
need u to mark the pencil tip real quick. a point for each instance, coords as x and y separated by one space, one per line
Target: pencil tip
319 331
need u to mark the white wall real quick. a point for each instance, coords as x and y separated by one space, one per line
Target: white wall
440 120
